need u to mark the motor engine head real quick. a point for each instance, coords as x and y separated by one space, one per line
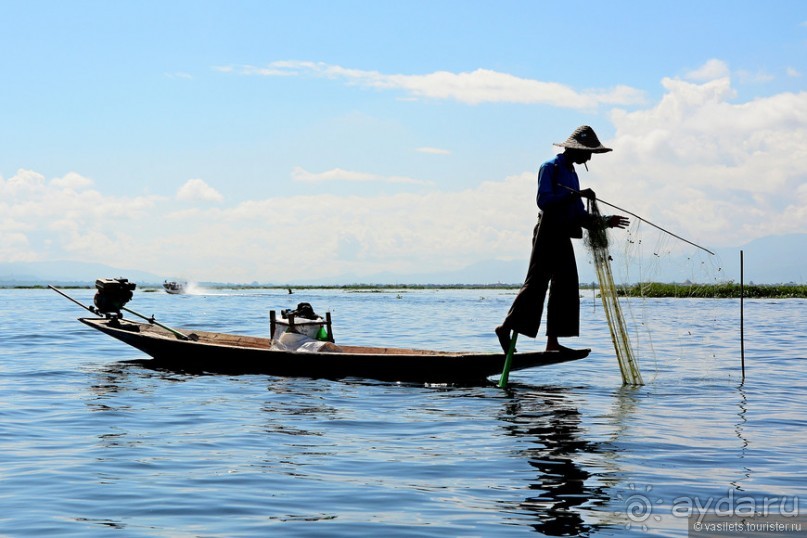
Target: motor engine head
112 294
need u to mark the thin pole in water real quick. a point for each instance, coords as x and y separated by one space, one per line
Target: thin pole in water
742 315
508 361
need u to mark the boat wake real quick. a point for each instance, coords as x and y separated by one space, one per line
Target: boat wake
193 288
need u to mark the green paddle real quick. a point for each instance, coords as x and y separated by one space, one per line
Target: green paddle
508 361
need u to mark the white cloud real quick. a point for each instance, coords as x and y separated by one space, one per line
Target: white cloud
433 151
72 181
15 247
64 218
711 70
267 239
721 172
718 69
793 72
182 75
25 181
474 87
338 174
364 234
198 190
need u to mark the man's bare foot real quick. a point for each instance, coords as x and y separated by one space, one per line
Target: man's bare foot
503 333
557 348
552 344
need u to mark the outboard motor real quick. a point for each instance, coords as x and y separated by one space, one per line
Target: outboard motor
112 295
303 310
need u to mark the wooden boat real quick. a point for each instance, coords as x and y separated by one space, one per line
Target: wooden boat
201 351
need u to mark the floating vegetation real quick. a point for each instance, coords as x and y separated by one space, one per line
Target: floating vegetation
725 290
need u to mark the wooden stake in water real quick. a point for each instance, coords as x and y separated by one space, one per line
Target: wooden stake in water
508 361
742 321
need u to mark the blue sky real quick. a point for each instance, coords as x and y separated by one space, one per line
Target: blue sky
211 139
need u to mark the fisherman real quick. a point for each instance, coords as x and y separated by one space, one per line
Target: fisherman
552 262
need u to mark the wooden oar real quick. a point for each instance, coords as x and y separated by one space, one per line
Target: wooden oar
508 361
63 294
153 321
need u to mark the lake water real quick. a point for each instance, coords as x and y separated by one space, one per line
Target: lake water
91 445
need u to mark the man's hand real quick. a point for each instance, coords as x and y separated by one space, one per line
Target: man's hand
618 221
588 193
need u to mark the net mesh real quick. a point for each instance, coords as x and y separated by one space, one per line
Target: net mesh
658 293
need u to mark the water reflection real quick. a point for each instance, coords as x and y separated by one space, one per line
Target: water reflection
552 424
106 384
110 381
296 401
739 430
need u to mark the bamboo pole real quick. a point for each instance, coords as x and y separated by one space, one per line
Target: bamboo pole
63 294
153 321
508 361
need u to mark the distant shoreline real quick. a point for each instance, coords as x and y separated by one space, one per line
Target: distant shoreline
728 290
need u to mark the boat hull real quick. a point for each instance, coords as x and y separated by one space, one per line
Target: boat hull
209 352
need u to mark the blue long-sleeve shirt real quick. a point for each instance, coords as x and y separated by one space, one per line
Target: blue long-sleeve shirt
552 197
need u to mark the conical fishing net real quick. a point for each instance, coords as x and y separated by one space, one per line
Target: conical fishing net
597 243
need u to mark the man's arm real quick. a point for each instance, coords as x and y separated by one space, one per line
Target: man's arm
549 194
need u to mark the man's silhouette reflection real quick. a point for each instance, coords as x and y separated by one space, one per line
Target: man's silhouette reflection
551 422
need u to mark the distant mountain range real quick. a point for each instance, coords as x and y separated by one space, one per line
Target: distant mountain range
67 272
776 259
768 260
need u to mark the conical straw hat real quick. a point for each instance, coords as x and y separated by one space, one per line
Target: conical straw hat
584 138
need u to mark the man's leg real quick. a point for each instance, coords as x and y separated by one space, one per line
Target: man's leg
563 307
525 313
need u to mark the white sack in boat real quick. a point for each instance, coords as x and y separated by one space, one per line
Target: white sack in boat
307 327
301 342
